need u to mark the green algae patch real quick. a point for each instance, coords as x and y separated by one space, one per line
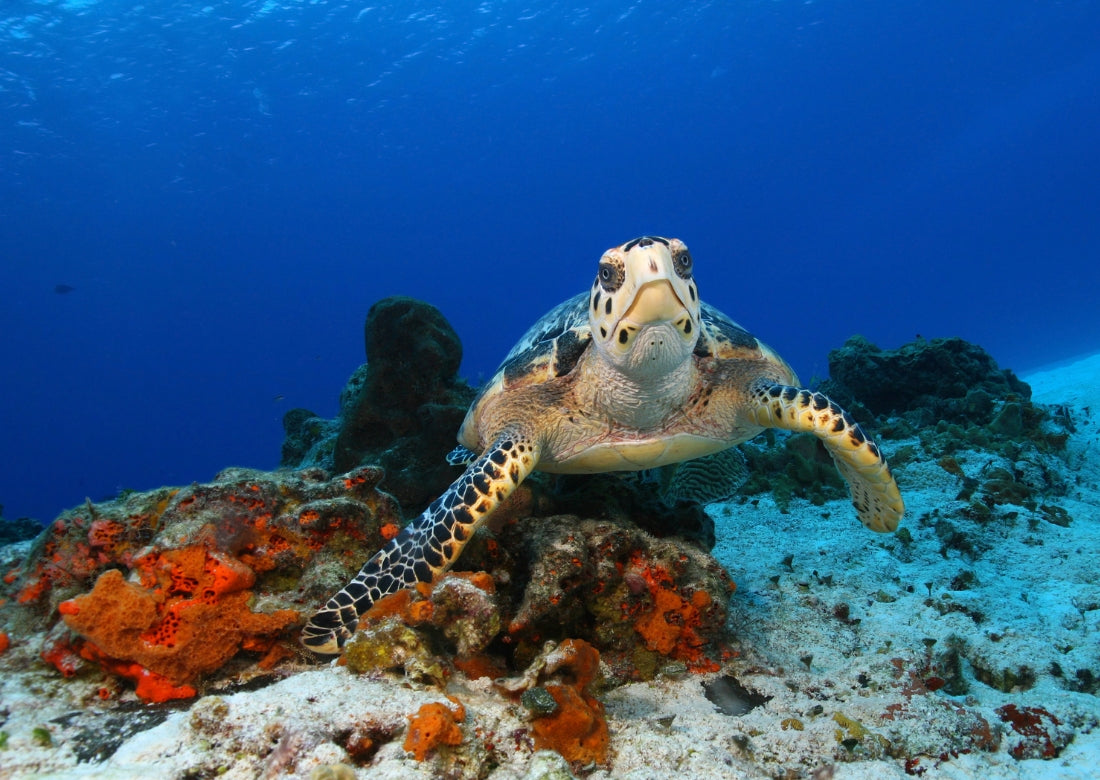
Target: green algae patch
800 468
857 741
391 645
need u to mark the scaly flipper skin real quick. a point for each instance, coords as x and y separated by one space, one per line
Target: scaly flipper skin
429 544
875 494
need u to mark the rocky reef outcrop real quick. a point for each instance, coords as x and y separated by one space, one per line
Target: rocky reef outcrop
944 385
18 529
166 586
941 379
400 410
947 393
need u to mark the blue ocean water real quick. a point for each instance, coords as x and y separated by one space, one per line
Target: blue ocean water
200 200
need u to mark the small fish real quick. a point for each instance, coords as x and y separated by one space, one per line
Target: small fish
279 398
63 289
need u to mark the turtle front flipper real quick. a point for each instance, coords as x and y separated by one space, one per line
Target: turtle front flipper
875 494
428 545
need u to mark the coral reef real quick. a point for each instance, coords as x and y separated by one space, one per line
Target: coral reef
17 530
646 605
400 410
580 612
949 390
974 420
165 587
944 379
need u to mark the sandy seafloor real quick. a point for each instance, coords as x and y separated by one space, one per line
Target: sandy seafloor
1035 583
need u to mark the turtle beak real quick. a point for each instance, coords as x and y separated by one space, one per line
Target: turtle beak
655 301
656 309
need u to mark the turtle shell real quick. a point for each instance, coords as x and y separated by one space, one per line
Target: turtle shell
552 346
723 338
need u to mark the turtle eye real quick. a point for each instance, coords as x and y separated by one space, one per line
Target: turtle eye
682 262
610 276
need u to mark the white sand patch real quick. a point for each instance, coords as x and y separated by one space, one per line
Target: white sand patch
1073 384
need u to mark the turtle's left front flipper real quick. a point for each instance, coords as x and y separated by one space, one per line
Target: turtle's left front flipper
875 494
428 545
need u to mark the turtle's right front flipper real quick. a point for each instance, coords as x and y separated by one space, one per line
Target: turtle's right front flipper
428 545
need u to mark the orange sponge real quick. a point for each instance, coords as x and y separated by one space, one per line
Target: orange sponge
432 726
671 627
189 616
577 729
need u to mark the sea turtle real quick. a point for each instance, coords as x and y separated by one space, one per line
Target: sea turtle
632 374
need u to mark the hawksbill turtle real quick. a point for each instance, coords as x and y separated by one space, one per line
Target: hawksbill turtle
633 374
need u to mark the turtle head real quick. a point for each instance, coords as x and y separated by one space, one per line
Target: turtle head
644 305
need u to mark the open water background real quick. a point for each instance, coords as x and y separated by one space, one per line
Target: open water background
228 186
